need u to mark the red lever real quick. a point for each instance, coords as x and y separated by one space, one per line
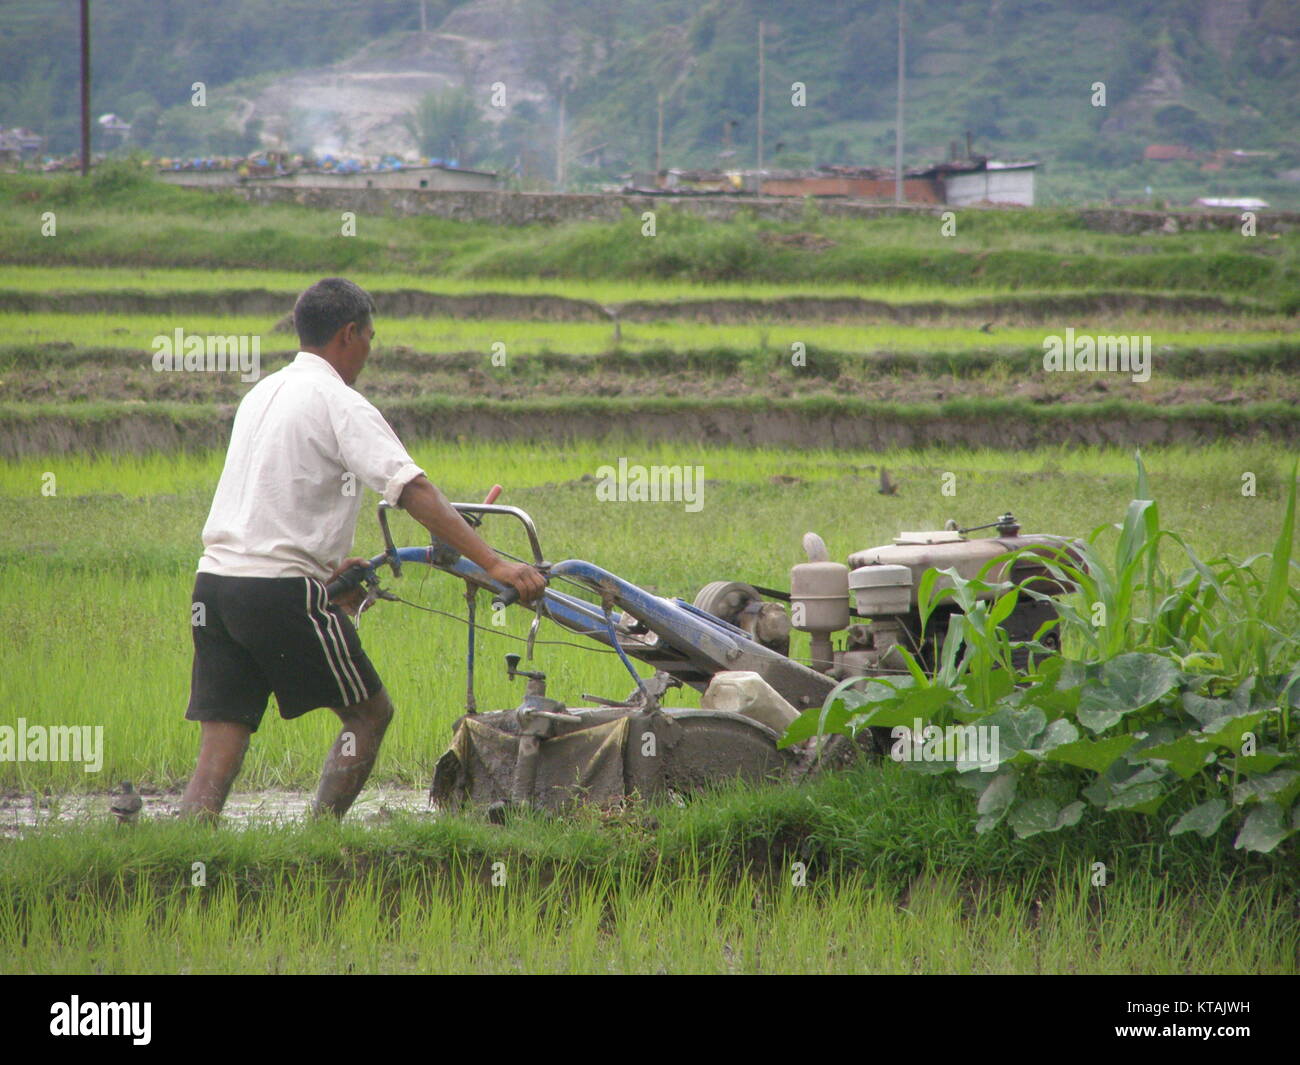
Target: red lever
492 495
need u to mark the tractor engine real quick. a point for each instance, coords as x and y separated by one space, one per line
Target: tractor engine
872 599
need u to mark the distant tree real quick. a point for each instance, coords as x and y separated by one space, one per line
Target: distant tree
144 124
1026 129
227 141
180 131
189 130
447 125
1185 126
31 102
523 139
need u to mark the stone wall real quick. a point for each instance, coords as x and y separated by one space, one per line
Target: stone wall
545 208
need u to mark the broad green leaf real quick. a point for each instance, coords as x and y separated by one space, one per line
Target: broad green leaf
1042 815
1098 792
1264 829
1201 662
1059 732
1229 733
1001 684
1207 710
1126 683
1059 687
995 800
907 706
888 715
1154 735
1091 754
976 782
1291 689
1060 702
1186 756
1017 729
1141 790
834 718
1204 820
1281 785
1128 777
974 749
1099 720
1070 814
1143 799
1262 761
837 710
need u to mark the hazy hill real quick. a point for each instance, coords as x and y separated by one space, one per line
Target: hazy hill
1016 74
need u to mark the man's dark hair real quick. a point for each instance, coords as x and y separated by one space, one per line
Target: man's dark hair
327 307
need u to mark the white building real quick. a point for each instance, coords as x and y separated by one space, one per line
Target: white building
994 182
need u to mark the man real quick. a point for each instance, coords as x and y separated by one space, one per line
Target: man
282 519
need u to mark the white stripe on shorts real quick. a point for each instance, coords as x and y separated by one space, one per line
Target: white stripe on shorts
349 667
347 697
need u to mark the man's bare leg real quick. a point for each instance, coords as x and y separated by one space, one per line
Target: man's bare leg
221 754
352 757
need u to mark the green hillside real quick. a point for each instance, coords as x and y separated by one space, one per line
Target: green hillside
1017 75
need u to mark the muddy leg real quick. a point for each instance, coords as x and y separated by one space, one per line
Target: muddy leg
353 755
221 753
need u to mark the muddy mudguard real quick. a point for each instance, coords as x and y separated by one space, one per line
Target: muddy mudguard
609 756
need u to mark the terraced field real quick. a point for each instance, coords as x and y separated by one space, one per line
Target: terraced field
793 372
804 369
856 332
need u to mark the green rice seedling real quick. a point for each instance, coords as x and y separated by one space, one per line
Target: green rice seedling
305 922
137 333
42 279
63 577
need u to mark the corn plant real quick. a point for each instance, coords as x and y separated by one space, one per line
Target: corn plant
1174 696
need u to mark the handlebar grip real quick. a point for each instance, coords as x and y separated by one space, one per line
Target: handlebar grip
347 580
507 598
511 595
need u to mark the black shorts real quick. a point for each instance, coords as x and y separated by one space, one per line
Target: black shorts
272 634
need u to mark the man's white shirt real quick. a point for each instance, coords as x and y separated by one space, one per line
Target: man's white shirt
302 445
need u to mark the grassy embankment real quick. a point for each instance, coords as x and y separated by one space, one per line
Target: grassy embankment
100 225
896 883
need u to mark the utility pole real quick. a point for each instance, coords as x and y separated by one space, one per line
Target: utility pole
659 141
761 69
559 142
898 131
85 88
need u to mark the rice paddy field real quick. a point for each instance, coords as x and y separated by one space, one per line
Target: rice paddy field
923 358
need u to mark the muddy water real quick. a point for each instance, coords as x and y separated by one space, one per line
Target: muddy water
20 812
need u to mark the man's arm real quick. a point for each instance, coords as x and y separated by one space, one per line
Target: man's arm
424 501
